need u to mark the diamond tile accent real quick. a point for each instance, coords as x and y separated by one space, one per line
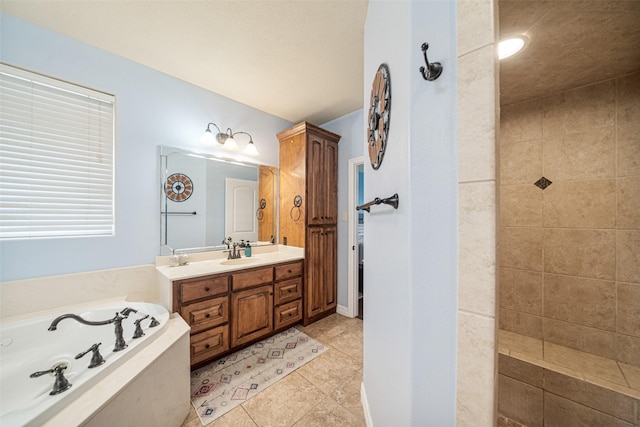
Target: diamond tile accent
543 183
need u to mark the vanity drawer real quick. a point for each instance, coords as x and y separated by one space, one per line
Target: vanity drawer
251 278
206 314
288 270
287 314
287 290
208 344
202 288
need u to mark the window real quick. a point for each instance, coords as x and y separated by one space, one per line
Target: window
56 158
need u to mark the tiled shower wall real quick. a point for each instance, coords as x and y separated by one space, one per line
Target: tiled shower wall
570 253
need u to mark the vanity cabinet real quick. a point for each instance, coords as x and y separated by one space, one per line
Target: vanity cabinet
322 180
204 304
309 169
230 310
252 306
321 271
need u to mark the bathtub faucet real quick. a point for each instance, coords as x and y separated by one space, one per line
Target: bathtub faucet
117 321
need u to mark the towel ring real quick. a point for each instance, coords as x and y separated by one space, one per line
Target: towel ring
260 211
297 202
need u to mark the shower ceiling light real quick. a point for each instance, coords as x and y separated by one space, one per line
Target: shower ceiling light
511 46
228 140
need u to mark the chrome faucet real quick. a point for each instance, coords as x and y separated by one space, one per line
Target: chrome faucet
117 321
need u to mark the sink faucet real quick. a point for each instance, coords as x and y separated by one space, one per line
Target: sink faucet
234 253
227 242
117 321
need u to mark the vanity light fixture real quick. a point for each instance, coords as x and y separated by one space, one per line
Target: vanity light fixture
227 139
511 46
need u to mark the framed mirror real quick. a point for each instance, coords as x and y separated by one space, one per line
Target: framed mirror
206 199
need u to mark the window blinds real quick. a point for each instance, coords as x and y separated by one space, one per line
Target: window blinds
56 158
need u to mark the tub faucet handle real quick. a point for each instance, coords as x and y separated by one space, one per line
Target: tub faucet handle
154 323
96 358
61 383
127 311
138 332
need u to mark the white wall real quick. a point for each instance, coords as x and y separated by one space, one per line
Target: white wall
351 129
152 109
410 309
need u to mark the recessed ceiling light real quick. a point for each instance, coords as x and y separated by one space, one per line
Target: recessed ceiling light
511 46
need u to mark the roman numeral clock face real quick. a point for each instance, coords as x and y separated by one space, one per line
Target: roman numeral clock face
379 112
178 187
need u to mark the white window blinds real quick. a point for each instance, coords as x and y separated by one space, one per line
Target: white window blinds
56 158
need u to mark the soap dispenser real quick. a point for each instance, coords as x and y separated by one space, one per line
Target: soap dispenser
247 249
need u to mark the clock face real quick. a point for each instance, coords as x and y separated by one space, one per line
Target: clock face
379 112
178 187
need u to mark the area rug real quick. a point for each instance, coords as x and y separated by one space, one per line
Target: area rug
230 381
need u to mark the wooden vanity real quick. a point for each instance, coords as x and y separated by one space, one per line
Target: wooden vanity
229 310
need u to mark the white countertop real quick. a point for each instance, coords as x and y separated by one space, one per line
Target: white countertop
205 263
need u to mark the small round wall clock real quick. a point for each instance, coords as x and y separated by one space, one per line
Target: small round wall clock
178 187
379 113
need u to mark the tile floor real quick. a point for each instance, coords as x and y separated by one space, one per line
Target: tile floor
324 392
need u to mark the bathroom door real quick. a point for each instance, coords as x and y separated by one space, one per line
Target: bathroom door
241 205
356 238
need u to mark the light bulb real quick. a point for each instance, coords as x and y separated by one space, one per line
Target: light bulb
230 144
207 137
250 149
511 46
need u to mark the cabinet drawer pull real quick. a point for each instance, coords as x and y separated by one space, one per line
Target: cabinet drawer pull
289 271
207 289
207 346
207 315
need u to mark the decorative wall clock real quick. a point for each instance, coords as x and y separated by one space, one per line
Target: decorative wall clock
178 187
379 113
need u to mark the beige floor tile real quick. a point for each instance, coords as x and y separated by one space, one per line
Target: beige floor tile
329 371
350 343
589 364
348 394
237 417
329 413
192 419
330 327
284 403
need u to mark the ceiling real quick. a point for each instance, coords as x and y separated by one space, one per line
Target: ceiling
295 59
572 43
303 59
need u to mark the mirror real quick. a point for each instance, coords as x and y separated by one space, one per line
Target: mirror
205 199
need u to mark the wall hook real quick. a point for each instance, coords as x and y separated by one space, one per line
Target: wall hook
431 71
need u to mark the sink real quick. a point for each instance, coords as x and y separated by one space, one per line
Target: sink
237 261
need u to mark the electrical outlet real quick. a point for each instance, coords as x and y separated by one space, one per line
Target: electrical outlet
345 216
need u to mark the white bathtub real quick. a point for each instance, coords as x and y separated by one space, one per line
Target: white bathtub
27 346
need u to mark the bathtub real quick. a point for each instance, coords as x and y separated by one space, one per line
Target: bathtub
27 346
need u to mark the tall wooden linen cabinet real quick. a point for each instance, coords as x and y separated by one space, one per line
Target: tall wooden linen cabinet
309 211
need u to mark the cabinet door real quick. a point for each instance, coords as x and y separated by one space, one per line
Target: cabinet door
252 314
314 294
315 181
330 187
330 278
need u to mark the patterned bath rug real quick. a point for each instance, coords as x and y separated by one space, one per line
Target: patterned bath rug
230 381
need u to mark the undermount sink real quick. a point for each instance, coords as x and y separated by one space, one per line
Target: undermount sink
237 261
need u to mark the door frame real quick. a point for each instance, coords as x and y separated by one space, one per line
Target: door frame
352 269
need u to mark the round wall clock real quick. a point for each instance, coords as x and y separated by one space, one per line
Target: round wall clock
178 187
379 113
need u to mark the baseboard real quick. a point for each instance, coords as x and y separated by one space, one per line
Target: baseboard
365 406
341 309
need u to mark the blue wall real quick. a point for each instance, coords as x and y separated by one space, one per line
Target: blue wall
152 109
411 259
352 143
